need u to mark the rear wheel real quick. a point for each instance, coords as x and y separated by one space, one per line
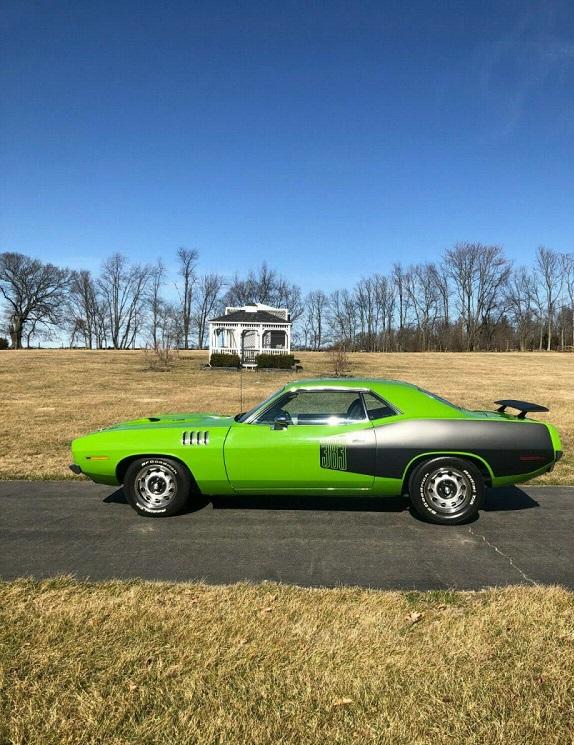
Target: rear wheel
448 491
157 487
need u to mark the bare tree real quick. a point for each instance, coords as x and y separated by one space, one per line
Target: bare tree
288 296
366 298
239 292
480 274
317 304
265 286
403 303
568 273
471 300
37 329
343 318
549 270
34 293
162 353
257 287
187 259
122 287
521 304
385 298
169 333
207 299
440 278
155 301
264 283
424 296
83 308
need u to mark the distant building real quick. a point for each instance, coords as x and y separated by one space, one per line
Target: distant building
249 331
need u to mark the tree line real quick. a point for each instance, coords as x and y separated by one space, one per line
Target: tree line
471 299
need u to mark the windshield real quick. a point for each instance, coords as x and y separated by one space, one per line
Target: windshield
246 415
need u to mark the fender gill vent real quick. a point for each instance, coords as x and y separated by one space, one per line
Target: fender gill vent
195 438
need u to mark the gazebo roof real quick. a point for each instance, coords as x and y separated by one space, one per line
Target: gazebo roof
246 316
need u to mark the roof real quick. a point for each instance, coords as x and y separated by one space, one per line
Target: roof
348 383
245 316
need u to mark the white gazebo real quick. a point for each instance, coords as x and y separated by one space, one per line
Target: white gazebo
249 331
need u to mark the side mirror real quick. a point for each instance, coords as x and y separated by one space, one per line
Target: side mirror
281 422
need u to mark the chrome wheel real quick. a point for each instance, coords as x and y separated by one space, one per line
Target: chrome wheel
156 486
448 490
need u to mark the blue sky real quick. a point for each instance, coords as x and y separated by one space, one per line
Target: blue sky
328 138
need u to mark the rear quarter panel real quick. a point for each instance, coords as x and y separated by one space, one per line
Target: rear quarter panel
511 449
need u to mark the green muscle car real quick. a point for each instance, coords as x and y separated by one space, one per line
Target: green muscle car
350 436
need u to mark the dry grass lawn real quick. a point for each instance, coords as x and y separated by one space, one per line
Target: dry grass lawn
154 663
137 662
52 396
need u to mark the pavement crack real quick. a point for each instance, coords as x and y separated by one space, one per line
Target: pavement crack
508 558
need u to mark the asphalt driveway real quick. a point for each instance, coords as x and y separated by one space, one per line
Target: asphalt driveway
524 536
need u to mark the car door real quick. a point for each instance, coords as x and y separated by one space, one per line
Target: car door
308 440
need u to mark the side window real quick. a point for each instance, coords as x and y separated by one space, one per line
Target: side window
376 407
317 407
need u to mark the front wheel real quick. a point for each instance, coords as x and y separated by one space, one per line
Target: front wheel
447 491
157 487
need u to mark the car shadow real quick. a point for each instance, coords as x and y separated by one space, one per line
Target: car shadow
497 500
196 504
305 502
118 497
285 502
507 499
504 499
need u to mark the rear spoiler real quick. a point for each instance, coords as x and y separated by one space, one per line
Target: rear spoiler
523 406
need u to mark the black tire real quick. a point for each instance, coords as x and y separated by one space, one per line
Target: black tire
157 487
447 491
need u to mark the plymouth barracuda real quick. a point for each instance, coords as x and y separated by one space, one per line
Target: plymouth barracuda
342 436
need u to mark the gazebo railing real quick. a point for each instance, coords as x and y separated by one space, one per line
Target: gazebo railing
248 355
224 350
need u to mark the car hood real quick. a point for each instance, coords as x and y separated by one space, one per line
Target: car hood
196 421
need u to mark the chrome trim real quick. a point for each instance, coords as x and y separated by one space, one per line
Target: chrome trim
342 388
330 388
195 437
268 403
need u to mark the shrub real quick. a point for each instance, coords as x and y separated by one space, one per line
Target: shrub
160 359
276 361
3 343
340 360
219 359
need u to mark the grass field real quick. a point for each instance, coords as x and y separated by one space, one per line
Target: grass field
152 663
136 662
52 396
